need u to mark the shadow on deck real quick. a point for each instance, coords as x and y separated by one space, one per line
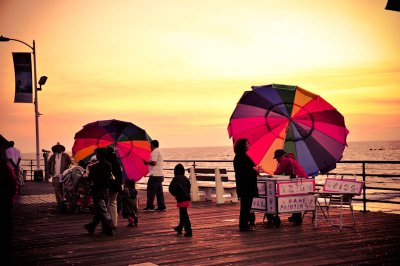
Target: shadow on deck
44 237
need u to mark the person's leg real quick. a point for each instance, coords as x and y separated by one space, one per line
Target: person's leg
243 214
90 227
245 207
151 190
101 213
135 210
179 228
112 208
160 193
186 222
58 191
252 218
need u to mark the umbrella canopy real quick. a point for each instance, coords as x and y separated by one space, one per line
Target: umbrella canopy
286 117
131 144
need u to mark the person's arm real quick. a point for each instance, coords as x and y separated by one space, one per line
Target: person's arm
149 162
153 159
172 187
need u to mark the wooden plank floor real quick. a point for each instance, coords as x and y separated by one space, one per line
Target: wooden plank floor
44 237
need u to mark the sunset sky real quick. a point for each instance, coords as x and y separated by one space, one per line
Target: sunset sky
177 68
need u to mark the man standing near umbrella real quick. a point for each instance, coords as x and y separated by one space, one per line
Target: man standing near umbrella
156 177
59 162
14 157
287 165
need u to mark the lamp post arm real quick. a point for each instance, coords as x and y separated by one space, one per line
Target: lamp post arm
32 47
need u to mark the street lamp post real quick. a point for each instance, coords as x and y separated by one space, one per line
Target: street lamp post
38 172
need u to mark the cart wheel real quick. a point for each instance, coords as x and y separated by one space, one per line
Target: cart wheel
276 221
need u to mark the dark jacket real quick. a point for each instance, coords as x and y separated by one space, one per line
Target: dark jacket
180 188
245 175
65 163
116 184
288 165
100 176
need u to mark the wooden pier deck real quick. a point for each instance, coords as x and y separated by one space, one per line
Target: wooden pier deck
44 237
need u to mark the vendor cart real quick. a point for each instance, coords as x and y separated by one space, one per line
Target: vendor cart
280 194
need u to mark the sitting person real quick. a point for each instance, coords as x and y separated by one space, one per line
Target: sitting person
287 165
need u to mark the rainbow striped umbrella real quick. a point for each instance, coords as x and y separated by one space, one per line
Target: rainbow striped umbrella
131 144
286 117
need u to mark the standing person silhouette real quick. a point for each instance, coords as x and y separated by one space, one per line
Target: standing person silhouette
100 178
246 173
58 162
14 157
180 189
156 177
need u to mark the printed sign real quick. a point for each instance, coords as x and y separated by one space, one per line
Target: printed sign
261 188
296 203
258 204
23 77
293 188
345 186
271 196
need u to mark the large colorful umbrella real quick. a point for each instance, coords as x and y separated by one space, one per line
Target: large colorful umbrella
131 144
286 117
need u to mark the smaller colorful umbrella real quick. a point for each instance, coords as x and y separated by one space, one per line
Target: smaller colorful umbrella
131 144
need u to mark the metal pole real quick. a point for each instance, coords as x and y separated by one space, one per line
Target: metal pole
36 103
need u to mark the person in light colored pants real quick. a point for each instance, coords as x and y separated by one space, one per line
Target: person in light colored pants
112 208
115 186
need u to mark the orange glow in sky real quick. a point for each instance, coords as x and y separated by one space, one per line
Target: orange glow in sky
178 68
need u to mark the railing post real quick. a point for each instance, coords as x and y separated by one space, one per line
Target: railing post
365 187
31 166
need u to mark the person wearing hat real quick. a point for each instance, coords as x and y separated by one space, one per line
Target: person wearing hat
287 165
58 162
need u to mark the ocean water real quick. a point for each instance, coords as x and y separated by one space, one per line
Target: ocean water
368 150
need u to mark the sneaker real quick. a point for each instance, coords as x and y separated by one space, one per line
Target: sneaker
148 209
161 209
89 227
188 234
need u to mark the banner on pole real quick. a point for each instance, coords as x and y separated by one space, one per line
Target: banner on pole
23 77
